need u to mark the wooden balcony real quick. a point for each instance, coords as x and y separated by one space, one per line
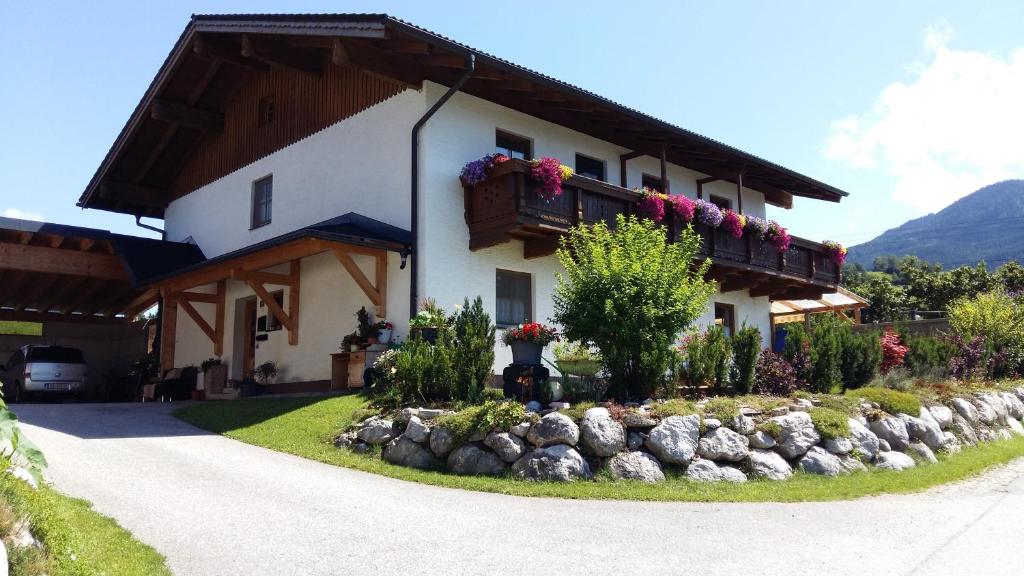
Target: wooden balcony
507 206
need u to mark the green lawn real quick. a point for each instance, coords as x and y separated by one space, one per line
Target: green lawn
78 540
304 426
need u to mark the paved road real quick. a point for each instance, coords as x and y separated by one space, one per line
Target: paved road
219 507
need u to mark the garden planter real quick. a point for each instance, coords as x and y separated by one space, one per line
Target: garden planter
526 352
429 335
583 368
384 335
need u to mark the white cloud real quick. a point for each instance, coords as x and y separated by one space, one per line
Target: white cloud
15 213
954 127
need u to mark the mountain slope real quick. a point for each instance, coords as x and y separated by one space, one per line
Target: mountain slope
985 225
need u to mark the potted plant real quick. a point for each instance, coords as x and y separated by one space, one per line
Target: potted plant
575 359
350 343
264 374
384 331
427 321
528 341
367 330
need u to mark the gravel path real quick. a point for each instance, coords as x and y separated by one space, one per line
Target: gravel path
218 507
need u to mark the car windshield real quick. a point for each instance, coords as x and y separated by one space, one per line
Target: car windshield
55 354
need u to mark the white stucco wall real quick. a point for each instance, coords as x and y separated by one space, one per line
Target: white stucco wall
360 164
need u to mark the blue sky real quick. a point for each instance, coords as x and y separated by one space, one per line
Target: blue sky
907 105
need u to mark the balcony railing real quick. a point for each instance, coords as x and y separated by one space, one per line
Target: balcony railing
507 205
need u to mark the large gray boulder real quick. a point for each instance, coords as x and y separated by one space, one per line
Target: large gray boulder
635 466
893 461
560 463
942 415
674 440
987 413
599 434
864 441
849 464
724 444
838 446
950 444
743 424
893 430
819 461
1015 426
995 402
761 439
471 460
376 430
922 450
964 430
709 471
1014 406
442 441
634 419
925 429
506 445
554 428
796 434
768 464
404 452
521 429
634 440
416 430
966 410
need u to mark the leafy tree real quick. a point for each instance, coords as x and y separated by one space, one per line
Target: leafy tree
887 301
629 294
998 320
472 350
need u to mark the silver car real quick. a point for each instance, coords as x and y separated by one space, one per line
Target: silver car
44 370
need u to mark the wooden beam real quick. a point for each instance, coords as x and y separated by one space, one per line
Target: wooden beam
168 334
264 277
218 321
59 261
193 297
198 319
272 305
133 193
23 316
280 55
357 274
35 291
140 303
188 116
539 247
213 48
85 295
381 276
294 270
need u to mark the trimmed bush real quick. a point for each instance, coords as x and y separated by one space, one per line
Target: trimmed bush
485 417
892 401
705 359
674 407
746 347
831 424
472 350
861 356
928 356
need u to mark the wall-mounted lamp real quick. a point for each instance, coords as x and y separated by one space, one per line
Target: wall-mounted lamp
405 257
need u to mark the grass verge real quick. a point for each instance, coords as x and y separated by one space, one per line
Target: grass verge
78 541
304 426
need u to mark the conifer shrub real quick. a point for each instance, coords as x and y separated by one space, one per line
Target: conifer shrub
472 350
746 347
861 356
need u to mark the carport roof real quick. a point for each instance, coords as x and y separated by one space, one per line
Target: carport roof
55 272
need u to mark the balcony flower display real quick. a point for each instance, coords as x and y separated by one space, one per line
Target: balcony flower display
734 223
778 236
708 213
651 206
477 171
550 173
757 227
836 251
528 341
683 206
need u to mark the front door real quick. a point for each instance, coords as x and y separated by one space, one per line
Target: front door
249 333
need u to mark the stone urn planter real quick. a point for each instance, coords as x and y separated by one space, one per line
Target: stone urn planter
526 352
384 335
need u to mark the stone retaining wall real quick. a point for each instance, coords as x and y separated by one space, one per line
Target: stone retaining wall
639 446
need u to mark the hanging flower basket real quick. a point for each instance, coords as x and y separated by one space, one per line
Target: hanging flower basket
550 173
757 227
778 236
682 206
835 251
733 223
708 213
651 206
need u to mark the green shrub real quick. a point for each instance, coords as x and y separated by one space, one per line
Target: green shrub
629 294
827 339
861 355
898 378
831 424
484 417
928 356
746 348
472 350
797 352
892 401
999 319
844 404
722 409
770 427
705 359
674 407
492 394
424 372
576 410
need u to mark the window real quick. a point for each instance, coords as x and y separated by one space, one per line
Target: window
725 316
653 182
265 111
723 203
589 167
513 146
515 298
262 198
273 324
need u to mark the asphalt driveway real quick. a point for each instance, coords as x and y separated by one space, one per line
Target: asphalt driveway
218 507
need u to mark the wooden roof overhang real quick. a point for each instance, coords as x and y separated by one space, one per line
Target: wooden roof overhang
215 54
47 276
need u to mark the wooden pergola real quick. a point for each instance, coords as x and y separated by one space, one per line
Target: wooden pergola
838 303
60 273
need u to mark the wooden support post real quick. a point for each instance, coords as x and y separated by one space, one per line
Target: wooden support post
739 192
381 276
168 329
196 317
218 322
294 269
664 171
349 264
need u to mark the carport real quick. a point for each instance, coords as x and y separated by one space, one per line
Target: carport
84 286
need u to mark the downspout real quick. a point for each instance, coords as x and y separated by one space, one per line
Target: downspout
138 222
415 188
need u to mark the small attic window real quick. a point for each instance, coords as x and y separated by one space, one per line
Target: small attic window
265 111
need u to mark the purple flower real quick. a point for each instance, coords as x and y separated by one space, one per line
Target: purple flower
709 213
757 226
